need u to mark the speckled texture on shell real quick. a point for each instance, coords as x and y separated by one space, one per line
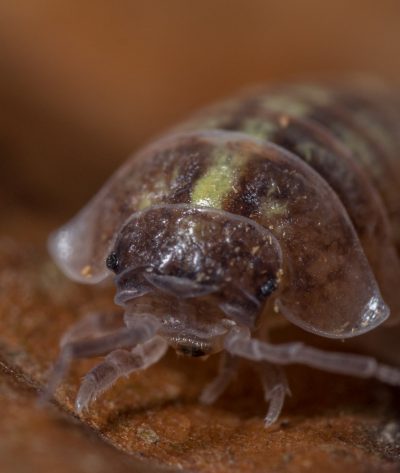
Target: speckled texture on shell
315 165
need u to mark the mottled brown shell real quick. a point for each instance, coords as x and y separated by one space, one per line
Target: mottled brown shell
315 166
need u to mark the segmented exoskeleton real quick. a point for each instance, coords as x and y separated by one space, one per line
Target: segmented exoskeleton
284 199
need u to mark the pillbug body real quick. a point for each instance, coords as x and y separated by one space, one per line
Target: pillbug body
284 199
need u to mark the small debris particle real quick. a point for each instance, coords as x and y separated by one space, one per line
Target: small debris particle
284 121
87 271
148 435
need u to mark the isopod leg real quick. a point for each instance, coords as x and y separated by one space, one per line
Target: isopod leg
276 388
239 343
144 329
116 364
93 324
226 372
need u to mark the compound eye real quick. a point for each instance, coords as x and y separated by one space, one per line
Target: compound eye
112 262
268 287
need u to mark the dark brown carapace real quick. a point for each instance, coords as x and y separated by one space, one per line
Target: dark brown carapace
283 199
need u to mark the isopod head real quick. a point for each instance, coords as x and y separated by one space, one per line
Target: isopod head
226 262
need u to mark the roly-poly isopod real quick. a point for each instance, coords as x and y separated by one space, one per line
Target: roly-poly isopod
284 199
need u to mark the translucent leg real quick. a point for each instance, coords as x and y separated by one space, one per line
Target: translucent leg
275 386
239 343
92 325
116 364
144 329
227 370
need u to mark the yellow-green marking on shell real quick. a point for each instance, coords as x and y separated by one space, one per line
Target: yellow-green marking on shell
290 106
154 191
219 180
271 206
306 149
360 149
263 129
317 95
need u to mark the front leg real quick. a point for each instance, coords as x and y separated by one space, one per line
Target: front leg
116 364
143 329
92 325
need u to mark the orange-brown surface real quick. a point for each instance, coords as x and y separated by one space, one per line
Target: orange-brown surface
81 85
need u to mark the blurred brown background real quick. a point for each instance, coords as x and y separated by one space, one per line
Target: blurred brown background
83 83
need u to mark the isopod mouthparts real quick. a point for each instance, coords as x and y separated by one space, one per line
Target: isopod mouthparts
285 199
